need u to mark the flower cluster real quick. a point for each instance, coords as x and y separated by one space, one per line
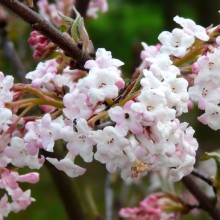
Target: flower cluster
19 200
131 128
156 206
42 46
51 11
206 87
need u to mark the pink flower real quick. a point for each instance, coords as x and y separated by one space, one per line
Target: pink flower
95 6
126 119
154 207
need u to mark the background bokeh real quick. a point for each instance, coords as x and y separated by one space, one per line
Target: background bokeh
121 30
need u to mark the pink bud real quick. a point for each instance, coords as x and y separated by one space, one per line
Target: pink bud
29 178
195 67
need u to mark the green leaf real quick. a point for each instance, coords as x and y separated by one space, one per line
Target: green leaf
63 28
212 155
68 20
53 55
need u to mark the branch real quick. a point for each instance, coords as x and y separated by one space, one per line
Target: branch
204 201
82 6
38 23
67 190
201 176
12 55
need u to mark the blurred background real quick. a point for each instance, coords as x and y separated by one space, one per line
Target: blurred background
121 31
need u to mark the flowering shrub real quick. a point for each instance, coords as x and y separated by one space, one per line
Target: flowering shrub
132 128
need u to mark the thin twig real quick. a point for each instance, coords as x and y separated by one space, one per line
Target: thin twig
208 180
67 189
38 23
12 55
203 177
205 202
108 198
82 6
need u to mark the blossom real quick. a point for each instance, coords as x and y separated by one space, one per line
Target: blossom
44 73
19 199
6 83
175 43
206 88
113 149
80 143
190 27
126 119
67 165
19 156
103 60
6 118
76 106
95 6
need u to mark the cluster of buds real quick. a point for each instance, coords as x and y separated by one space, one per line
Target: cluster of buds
42 46
156 206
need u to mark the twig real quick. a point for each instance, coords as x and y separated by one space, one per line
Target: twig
82 7
67 190
108 198
201 176
208 180
204 201
12 55
38 23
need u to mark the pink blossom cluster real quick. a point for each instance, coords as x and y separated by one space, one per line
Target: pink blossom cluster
95 6
147 135
156 206
19 200
51 11
42 46
85 99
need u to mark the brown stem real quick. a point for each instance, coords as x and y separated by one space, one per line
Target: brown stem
38 23
82 6
67 190
203 177
204 201
12 55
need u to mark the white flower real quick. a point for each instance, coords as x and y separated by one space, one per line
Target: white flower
44 74
103 60
211 117
175 43
126 119
112 149
19 155
76 106
67 165
162 67
81 144
6 83
190 27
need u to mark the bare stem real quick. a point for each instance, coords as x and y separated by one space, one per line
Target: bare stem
11 54
201 176
38 23
67 191
82 7
205 202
